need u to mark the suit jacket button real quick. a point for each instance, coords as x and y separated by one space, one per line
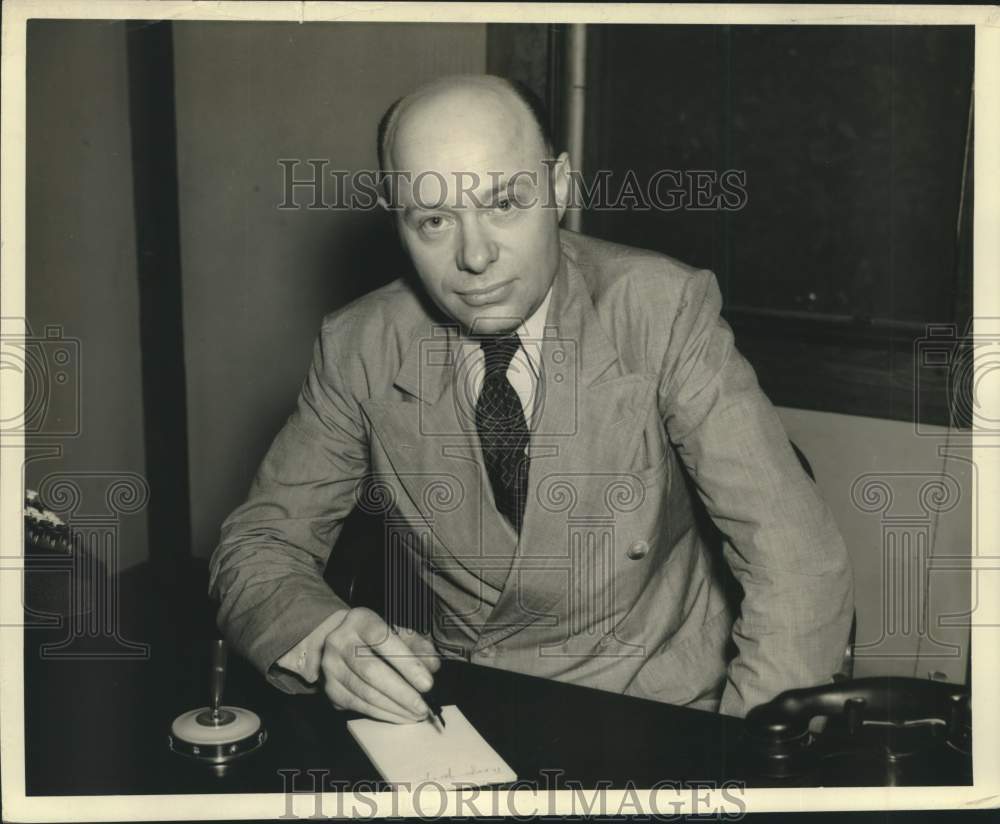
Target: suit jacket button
637 550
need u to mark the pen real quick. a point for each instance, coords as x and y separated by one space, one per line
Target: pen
436 709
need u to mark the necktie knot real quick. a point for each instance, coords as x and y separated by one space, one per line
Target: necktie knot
498 351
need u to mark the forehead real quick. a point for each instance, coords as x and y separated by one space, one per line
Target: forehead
465 130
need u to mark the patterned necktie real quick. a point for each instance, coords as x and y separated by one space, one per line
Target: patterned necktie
503 430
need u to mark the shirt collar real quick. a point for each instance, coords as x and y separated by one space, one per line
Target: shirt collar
533 329
531 332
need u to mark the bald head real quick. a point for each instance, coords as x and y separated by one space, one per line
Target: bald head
464 110
477 198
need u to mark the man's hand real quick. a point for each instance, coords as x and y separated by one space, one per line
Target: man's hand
370 668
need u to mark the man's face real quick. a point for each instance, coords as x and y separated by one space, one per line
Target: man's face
479 207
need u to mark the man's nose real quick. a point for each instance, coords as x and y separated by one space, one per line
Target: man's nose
476 250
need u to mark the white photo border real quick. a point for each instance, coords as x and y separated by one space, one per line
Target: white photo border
984 793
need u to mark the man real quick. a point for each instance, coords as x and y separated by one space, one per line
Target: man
529 410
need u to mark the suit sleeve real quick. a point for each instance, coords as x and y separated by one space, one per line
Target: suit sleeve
781 540
267 571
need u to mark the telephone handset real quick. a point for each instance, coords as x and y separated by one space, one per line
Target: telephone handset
899 730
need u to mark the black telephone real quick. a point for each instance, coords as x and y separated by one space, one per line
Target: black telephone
882 731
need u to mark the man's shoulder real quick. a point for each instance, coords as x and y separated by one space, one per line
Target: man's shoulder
366 341
615 273
395 310
605 264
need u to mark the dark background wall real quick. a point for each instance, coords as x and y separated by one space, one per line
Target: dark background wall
852 139
853 142
81 273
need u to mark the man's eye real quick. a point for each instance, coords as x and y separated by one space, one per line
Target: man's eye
504 205
432 224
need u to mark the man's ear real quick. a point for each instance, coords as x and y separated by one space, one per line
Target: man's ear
561 171
385 189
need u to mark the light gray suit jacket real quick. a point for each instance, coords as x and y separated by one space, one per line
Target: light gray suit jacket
611 584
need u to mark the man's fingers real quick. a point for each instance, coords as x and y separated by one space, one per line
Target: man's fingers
383 678
394 651
343 699
421 646
369 668
381 687
376 690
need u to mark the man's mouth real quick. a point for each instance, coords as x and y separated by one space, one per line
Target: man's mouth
488 294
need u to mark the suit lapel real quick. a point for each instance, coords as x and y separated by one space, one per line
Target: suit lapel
431 441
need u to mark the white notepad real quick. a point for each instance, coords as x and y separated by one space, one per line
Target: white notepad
412 753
